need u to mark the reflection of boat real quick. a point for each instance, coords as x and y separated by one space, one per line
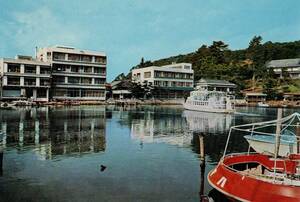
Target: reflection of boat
261 104
209 101
260 177
265 143
206 122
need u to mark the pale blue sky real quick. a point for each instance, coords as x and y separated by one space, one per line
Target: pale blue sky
130 29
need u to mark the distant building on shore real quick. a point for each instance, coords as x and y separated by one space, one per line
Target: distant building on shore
174 80
76 74
25 77
290 66
217 85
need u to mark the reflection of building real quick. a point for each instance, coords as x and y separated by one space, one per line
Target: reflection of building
174 80
290 66
170 129
77 74
207 123
25 77
57 132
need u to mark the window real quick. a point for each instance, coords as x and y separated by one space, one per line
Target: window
92 93
99 70
187 67
74 69
74 80
60 92
58 56
147 74
13 80
31 69
86 80
86 58
74 57
59 79
44 70
44 82
99 59
99 81
88 69
13 68
30 81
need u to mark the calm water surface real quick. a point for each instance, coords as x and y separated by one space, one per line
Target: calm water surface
98 153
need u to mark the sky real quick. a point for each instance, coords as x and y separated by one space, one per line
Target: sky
127 30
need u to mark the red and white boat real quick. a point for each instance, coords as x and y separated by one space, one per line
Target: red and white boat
256 176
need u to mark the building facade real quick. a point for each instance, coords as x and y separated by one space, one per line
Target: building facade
76 74
289 66
24 78
174 81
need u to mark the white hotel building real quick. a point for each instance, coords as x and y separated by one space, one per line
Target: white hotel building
76 74
25 77
174 80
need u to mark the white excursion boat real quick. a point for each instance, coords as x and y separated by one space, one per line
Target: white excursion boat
209 101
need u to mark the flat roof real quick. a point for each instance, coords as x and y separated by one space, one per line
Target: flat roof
25 61
66 49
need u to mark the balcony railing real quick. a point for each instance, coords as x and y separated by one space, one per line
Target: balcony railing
29 83
16 83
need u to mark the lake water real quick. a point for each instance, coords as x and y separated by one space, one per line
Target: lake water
108 153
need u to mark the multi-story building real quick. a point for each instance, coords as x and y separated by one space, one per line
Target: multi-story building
76 74
175 80
25 77
290 66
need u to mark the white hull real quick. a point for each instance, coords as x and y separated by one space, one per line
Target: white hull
268 147
206 108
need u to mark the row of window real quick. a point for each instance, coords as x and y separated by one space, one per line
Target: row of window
173 84
77 80
27 81
77 57
78 93
31 69
79 69
161 74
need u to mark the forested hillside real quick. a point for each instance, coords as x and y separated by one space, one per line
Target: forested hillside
245 67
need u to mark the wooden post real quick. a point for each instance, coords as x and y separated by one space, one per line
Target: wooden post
298 137
1 161
202 166
278 130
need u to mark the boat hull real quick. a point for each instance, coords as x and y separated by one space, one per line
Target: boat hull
206 109
243 187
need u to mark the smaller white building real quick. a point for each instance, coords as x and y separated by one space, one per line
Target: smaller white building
175 80
25 77
290 66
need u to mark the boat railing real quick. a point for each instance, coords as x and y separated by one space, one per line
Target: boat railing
277 178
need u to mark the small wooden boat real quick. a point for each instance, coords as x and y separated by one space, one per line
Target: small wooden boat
257 176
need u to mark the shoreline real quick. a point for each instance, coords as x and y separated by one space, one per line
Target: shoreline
272 104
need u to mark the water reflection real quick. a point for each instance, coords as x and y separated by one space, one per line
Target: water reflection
54 131
208 123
